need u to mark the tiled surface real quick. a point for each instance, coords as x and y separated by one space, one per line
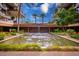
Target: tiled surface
33 53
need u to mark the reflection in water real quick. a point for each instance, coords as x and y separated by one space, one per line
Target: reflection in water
44 39
40 38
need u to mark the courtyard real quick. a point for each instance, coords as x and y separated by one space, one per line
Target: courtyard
39 29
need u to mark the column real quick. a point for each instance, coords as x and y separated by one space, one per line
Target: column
49 29
28 29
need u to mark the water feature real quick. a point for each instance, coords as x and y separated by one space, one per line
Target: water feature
39 38
43 39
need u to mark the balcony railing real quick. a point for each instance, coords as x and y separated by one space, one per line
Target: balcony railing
3 6
4 15
6 21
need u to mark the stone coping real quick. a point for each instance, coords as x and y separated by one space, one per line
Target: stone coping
66 37
11 37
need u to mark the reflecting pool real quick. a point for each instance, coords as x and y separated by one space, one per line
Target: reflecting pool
43 39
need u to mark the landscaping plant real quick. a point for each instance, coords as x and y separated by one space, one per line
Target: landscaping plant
57 30
76 36
21 47
62 48
70 31
2 35
13 32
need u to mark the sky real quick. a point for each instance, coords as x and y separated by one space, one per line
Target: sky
29 9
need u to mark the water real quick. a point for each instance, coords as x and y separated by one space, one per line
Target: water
39 38
40 35
43 39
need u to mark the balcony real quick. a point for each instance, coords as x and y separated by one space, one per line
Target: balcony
13 4
3 6
65 5
6 22
4 15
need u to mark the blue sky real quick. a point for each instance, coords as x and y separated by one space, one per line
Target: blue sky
38 8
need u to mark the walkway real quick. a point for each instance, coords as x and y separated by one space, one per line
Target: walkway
69 38
33 53
11 37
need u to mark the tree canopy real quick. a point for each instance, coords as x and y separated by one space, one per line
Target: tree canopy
67 16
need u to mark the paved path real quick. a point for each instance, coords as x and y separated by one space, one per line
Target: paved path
11 37
69 38
33 53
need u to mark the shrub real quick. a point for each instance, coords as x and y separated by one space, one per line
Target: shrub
13 30
70 31
76 36
61 48
35 47
7 33
53 48
57 30
2 35
32 47
13 33
21 31
21 47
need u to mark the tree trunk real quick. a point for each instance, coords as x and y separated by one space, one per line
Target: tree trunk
42 20
18 27
35 20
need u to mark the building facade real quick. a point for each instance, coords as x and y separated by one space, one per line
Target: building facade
9 15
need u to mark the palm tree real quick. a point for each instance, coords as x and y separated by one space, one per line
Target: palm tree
34 15
18 27
42 16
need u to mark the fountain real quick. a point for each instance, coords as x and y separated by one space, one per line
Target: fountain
39 38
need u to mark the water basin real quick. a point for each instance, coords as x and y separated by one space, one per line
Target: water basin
44 39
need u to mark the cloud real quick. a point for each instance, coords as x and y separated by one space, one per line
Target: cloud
44 7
